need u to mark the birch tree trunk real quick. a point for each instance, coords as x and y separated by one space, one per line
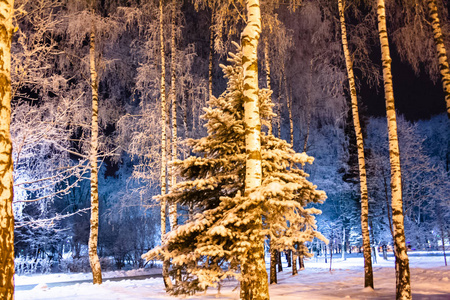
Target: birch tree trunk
403 290
289 106
267 65
93 235
173 95
6 161
368 272
441 52
211 52
254 284
166 263
279 110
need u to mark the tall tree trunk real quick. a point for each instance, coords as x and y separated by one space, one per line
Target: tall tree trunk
308 106
211 54
401 257
368 272
6 161
294 262
254 284
288 258
280 265
166 263
289 106
441 52
273 264
93 236
343 244
280 119
267 65
173 95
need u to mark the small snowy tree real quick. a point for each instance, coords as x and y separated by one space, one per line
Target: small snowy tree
213 245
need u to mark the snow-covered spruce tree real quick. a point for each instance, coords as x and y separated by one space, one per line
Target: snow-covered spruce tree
213 245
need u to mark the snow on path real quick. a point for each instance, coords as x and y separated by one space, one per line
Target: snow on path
430 280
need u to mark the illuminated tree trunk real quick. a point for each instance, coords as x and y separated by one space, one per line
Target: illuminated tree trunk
441 52
267 65
403 285
289 106
279 110
173 95
211 52
294 263
368 273
6 161
93 236
254 284
166 263
273 264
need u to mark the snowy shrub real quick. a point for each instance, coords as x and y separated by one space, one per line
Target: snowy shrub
27 265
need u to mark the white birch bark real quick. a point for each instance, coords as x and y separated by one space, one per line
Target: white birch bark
441 52
93 235
6 161
173 95
267 65
368 272
211 52
166 263
254 284
289 107
403 290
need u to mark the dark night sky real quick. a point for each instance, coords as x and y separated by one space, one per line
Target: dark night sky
417 97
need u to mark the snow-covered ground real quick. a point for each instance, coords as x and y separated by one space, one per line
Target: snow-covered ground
430 280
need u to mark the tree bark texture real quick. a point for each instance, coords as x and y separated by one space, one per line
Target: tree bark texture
368 272
267 65
255 284
273 264
166 263
403 290
441 52
211 54
289 106
173 95
6 161
93 235
280 265
294 263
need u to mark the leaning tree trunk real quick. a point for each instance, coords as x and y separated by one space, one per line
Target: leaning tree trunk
441 52
173 95
166 263
401 257
368 273
254 284
93 235
6 161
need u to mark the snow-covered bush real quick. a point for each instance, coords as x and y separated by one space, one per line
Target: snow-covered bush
27 265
